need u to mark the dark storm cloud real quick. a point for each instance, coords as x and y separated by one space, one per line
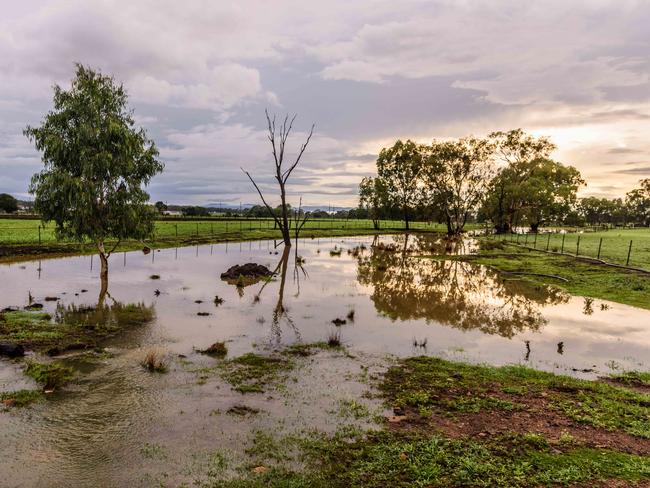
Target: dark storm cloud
200 75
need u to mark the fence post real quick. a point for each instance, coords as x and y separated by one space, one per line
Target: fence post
578 246
39 234
517 238
548 240
629 251
197 229
526 240
535 244
176 225
563 237
600 245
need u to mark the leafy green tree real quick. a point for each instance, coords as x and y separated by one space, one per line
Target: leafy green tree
374 198
514 150
400 169
96 165
457 175
638 202
8 203
160 207
549 192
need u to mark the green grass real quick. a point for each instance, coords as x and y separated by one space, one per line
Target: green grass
19 231
20 398
418 454
411 459
437 385
614 248
49 375
584 279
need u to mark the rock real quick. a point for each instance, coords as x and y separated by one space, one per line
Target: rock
260 470
51 299
11 349
9 309
248 270
338 322
146 250
34 306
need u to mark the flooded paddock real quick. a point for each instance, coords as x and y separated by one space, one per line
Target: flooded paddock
120 425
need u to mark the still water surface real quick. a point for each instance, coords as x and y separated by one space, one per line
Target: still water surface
121 426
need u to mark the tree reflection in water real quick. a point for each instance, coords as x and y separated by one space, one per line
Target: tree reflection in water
451 292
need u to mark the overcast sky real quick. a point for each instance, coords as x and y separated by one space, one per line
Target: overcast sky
201 73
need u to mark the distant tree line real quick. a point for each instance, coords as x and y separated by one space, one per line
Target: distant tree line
507 179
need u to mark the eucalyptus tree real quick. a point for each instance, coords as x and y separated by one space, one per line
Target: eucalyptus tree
277 136
373 197
548 192
638 202
457 175
97 164
8 203
514 151
400 169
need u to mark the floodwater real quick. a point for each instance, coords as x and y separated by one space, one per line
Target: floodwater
119 425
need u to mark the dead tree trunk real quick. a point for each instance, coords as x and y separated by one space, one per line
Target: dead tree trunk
278 138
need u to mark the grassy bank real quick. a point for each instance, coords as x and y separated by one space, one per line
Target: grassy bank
577 276
455 424
13 252
611 245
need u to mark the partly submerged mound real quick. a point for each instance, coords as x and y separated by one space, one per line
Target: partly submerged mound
247 273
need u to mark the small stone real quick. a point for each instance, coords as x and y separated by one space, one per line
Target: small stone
260 470
403 457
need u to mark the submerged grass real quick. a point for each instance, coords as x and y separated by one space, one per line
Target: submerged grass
71 326
251 372
50 375
20 398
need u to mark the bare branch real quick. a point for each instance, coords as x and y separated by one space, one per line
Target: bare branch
287 173
268 207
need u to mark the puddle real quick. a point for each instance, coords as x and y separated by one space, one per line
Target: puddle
120 425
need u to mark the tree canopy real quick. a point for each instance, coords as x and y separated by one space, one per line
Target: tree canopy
8 203
96 164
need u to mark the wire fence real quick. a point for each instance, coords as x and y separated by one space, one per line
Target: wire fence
15 232
626 247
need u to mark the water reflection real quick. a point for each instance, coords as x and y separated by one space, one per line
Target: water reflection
450 292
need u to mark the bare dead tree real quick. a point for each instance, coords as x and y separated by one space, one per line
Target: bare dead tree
299 219
278 138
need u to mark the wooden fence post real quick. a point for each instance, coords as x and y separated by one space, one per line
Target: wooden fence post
563 237
578 246
600 245
629 251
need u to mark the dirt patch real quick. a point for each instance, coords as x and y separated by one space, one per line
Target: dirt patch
537 416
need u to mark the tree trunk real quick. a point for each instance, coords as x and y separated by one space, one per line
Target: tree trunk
450 230
103 274
406 217
286 235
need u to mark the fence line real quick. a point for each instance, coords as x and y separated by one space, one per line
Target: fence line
620 251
